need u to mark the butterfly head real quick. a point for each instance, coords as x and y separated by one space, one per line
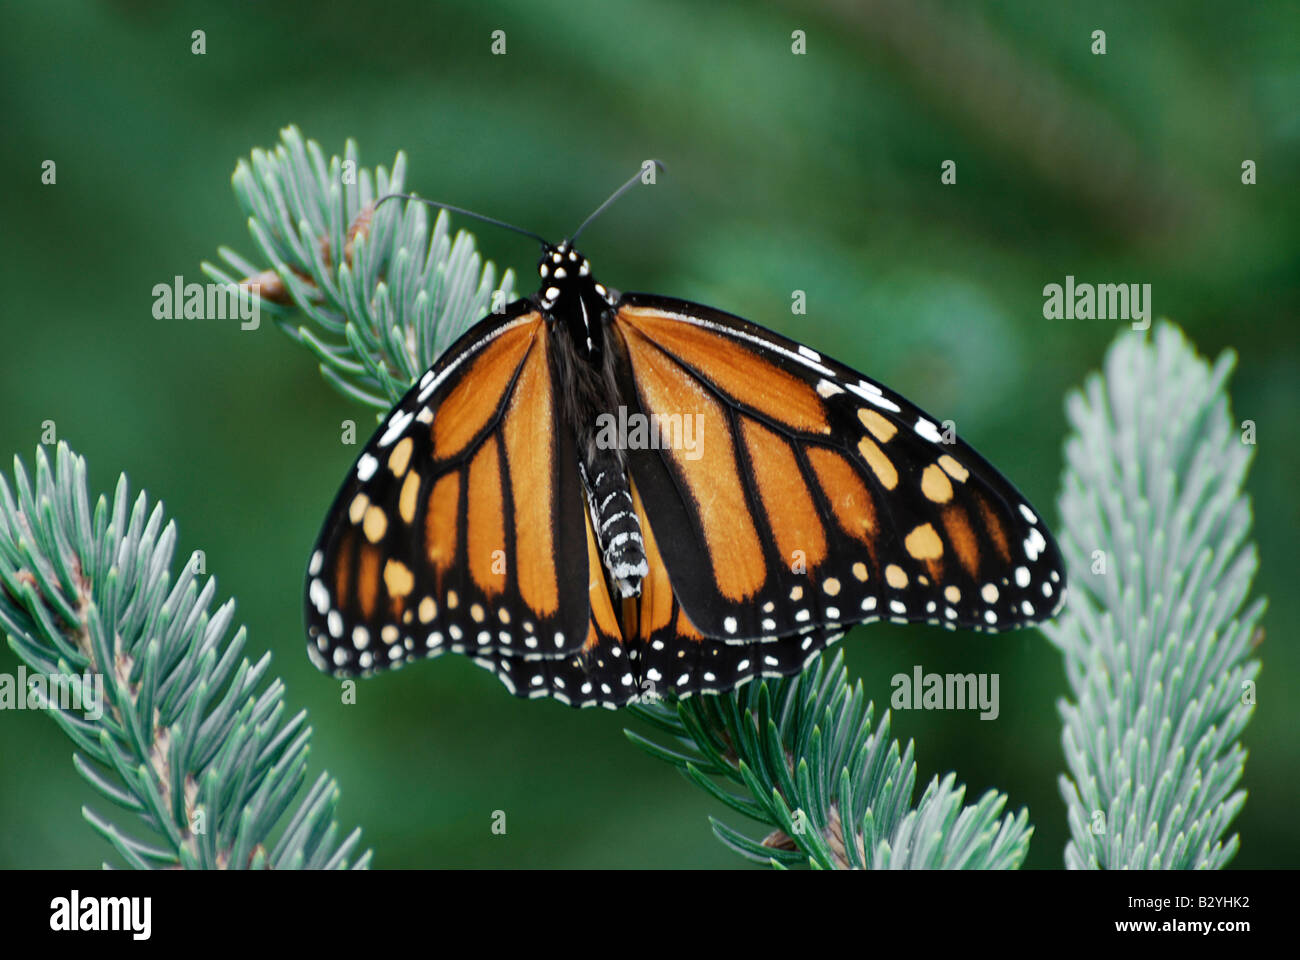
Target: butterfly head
561 264
566 276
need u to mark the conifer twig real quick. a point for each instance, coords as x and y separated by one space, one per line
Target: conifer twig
373 293
188 736
1158 631
799 755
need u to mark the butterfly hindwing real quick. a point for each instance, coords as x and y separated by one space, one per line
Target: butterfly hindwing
605 671
649 647
460 525
814 496
675 658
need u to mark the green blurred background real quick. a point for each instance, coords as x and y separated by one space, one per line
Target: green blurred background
817 172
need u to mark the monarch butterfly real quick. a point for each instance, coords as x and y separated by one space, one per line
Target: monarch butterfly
520 505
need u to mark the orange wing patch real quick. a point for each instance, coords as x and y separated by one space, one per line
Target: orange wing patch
530 447
653 610
795 523
993 524
593 638
440 523
755 383
714 483
685 628
368 579
462 413
957 525
343 566
854 509
485 537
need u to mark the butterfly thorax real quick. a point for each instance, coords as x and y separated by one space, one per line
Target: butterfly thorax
577 307
574 299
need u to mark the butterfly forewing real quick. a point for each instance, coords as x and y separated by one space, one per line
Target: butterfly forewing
460 525
814 496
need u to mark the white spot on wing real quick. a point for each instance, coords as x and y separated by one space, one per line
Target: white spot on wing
927 430
320 597
870 393
1034 544
397 423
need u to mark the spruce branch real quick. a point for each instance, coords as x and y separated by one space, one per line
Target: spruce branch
799 755
1157 632
373 293
192 739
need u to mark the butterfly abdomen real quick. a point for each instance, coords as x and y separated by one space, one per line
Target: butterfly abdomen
614 520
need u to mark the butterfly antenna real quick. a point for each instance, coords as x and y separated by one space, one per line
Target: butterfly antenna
461 210
614 196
